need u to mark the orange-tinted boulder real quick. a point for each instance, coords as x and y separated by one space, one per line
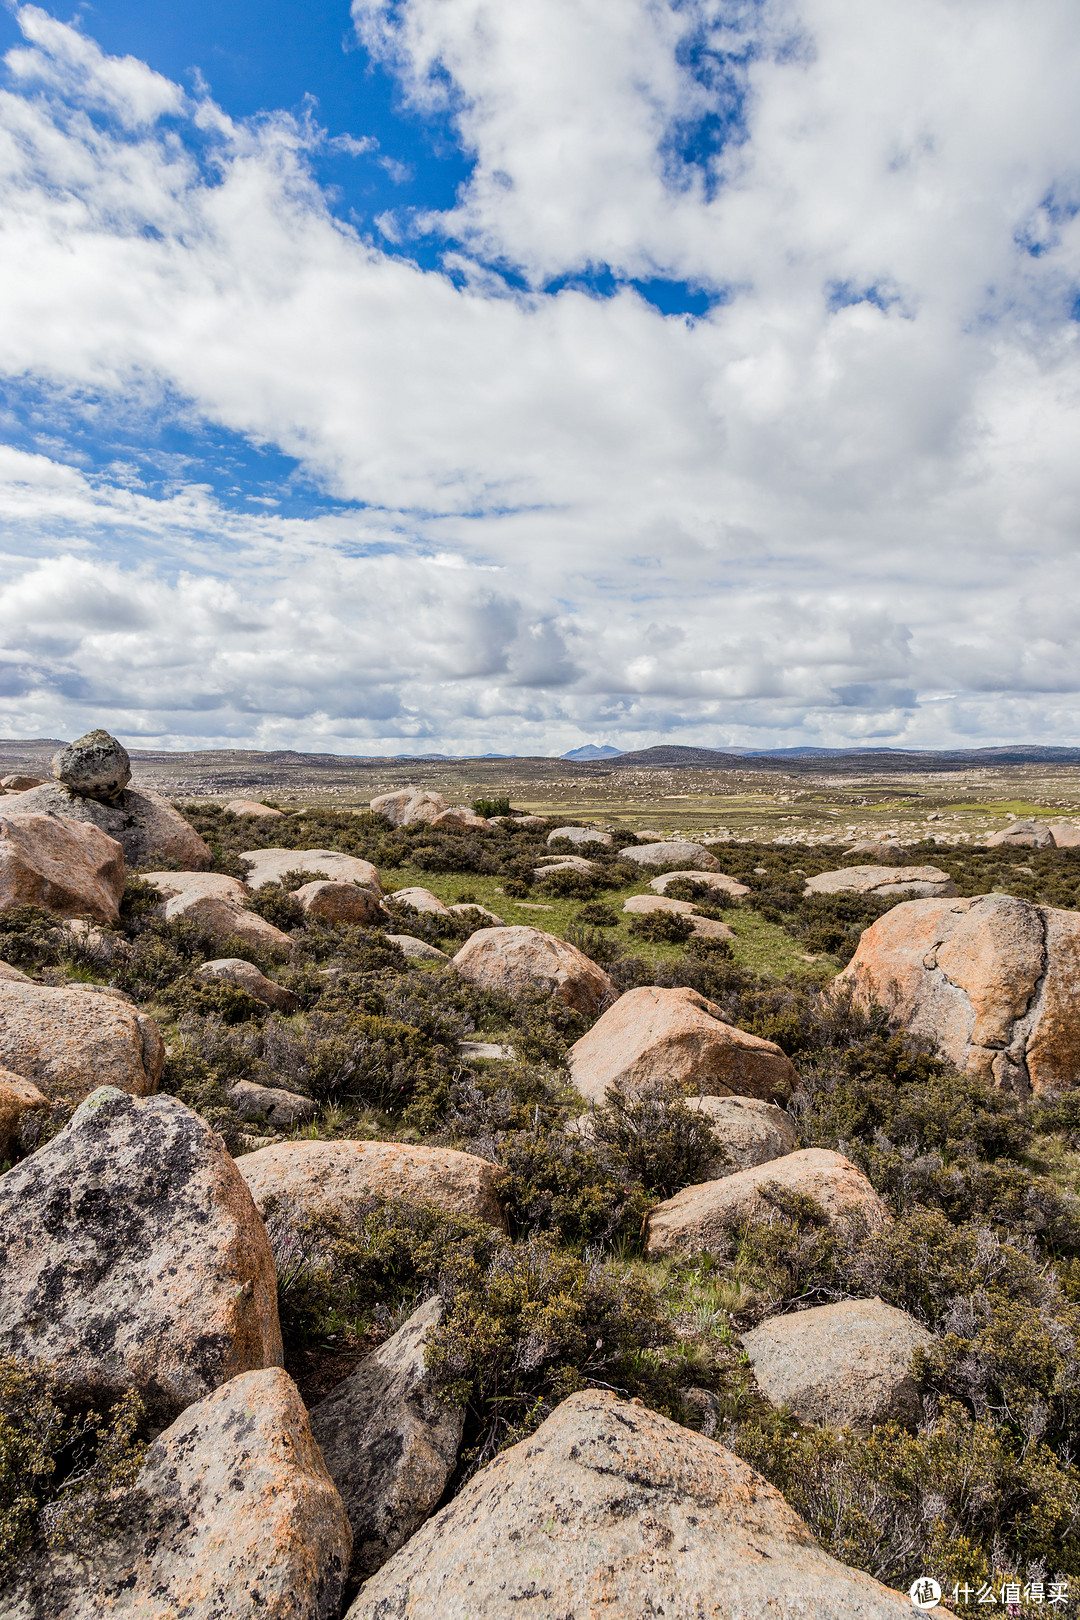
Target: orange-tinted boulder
519 959
67 866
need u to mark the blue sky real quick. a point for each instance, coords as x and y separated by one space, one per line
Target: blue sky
452 376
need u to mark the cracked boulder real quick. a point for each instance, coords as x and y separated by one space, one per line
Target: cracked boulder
992 982
70 1039
132 1256
520 959
233 1514
59 863
611 1509
390 1441
271 865
884 882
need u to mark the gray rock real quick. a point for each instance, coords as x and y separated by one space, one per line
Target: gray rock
884 882
418 949
611 1509
565 863
234 970
132 1256
847 1364
95 766
1026 834
751 1132
233 1515
271 1103
673 851
390 1442
146 826
580 835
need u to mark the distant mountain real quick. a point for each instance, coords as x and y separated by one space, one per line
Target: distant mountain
593 751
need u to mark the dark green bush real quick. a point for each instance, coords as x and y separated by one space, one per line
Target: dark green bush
598 946
662 927
274 904
29 937
567 884
211 998
665 1145
597 914
492 807
563 1183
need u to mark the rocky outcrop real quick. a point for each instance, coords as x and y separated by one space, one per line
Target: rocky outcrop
991 982
59 863
308 1178
611 1509
254 807
409 805
390 1441
884 882
715 880
1022 834
847 1364
17 1097
146 826
417 949
333 902
652 1035
271 1103
580 835
671 851
233 1514
421 900
69 1040
246 976
749 1131
698 1219
132 1256
218 904
520 959
95 766
271 865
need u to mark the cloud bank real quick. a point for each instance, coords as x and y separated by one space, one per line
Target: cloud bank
840 505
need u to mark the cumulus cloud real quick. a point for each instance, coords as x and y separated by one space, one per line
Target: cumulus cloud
841 505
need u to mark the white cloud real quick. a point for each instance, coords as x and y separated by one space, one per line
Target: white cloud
797 516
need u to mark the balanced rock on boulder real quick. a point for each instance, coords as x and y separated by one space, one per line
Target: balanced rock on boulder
651 1035
390 1442
847 1364
57 862
520 959
95 766
233 1514
611 1509
698 1219
146 826
991 982
71 1039
132 1256
884 882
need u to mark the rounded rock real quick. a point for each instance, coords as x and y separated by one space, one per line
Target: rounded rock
95 766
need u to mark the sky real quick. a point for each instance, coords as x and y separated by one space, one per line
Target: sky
462 376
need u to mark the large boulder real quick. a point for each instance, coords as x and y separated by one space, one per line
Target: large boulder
580 835
59 863
95 766
652 1034
336 903
246 976
699 1218
749 1131
408 805
669 851
390 1441
847 1364
69 1039
270 866
715 880
991 982
308 1178
884 882
233 1514
146 826
1023 835
217 902
17 1097
418 899
1066 834
254 807
519 959
132 1256
611 1509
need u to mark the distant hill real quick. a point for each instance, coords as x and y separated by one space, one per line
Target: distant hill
593 751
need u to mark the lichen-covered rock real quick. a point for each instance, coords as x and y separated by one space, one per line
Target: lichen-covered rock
674 849
271 1103
698 1219
217 902
847 1364
651 1035
611 1509
69 1039
340 902
59 863
233 1515
519 959
17 1097
423 900
246 976
95 766
271 865
145 825
750 1131
991 982
715 880
408 805
884 882
580 835
417 949
390 1441
307 1178
132 1256
253 807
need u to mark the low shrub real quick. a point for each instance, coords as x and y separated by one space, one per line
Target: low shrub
578 1190
274 904
567 884
662 927
597 914
665 1145
492 807
211 998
